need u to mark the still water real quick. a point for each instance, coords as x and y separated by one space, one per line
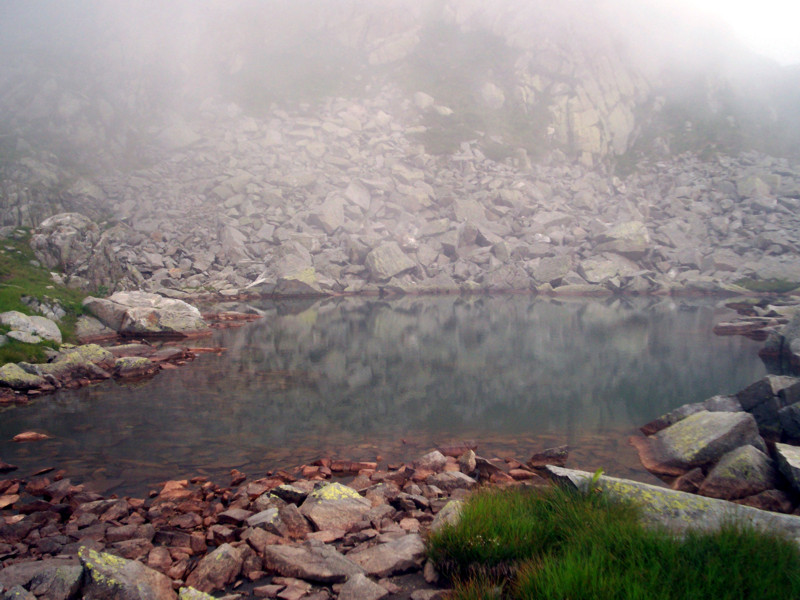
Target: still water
363 379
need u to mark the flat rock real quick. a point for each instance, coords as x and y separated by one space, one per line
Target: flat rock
143 313
312 561
678 510
451 480
13 376
391 558
335 506
742 472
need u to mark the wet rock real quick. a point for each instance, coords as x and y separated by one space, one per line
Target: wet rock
550 456
391 558
134 367
699 439
742 472
110 577
216 569
312 561
335 506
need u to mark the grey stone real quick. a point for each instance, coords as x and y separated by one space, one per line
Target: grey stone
789 417
435 461
676 510
449 514
704 437
788 459
24 337
605 266
360 587
742 472
13 376
391 558
387 261
143 313
312 561
451 480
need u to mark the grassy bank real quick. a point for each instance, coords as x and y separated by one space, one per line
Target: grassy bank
21 276
557 544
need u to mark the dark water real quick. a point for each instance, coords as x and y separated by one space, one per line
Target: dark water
360 379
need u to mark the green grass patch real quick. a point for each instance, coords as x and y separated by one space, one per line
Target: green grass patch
21 276
557 544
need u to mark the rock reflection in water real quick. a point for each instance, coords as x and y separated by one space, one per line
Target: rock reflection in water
359 378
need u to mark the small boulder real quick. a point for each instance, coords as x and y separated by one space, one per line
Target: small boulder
312 561
335 506
742 472
360 587
14 377
109 576
387 261
391 558
788 459
216 569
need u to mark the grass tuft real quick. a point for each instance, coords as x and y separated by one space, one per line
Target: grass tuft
558 544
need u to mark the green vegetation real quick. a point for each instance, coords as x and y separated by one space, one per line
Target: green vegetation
21 276
770 286
558 544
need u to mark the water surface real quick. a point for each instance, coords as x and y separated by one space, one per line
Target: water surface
366 379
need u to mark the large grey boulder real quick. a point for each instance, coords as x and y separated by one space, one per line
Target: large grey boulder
143 313
387 261
39 326
698 440
312 561
676 510
391 558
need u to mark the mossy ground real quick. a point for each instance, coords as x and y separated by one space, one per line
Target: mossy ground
558 544
21 275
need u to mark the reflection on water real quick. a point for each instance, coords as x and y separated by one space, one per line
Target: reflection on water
360 378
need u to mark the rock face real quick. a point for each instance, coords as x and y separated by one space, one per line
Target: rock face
141 313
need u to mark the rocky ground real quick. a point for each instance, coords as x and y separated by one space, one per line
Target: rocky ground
348 201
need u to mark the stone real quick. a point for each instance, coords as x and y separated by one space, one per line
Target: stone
391 558
713 404
189 593
109 577
552 269
17 593
630 239
312 561
143 313
550 456
433 461
678 511
13 376
605 266
700 439
387 261
89 329
334 506
216 569
449 514
329 216
132 367
24 337
742 472
451 480
360 587
270 521
789 418
762 399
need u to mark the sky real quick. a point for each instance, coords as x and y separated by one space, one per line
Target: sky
769 27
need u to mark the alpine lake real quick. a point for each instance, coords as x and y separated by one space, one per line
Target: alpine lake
389 380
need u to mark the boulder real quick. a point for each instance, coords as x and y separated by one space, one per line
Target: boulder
630 239
143 313
605 266
698 440
134 367
789 417
38 326
65 241
109 577
742 472
216 569
334 507
713 404
391 558
449 514
14 377
360 587
387 261
763 400
312 561
788 459
551 269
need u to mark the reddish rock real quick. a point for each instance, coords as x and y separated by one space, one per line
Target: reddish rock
297 527
689 482
234 516
159 559
771 500
217 569
550 456
30 436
